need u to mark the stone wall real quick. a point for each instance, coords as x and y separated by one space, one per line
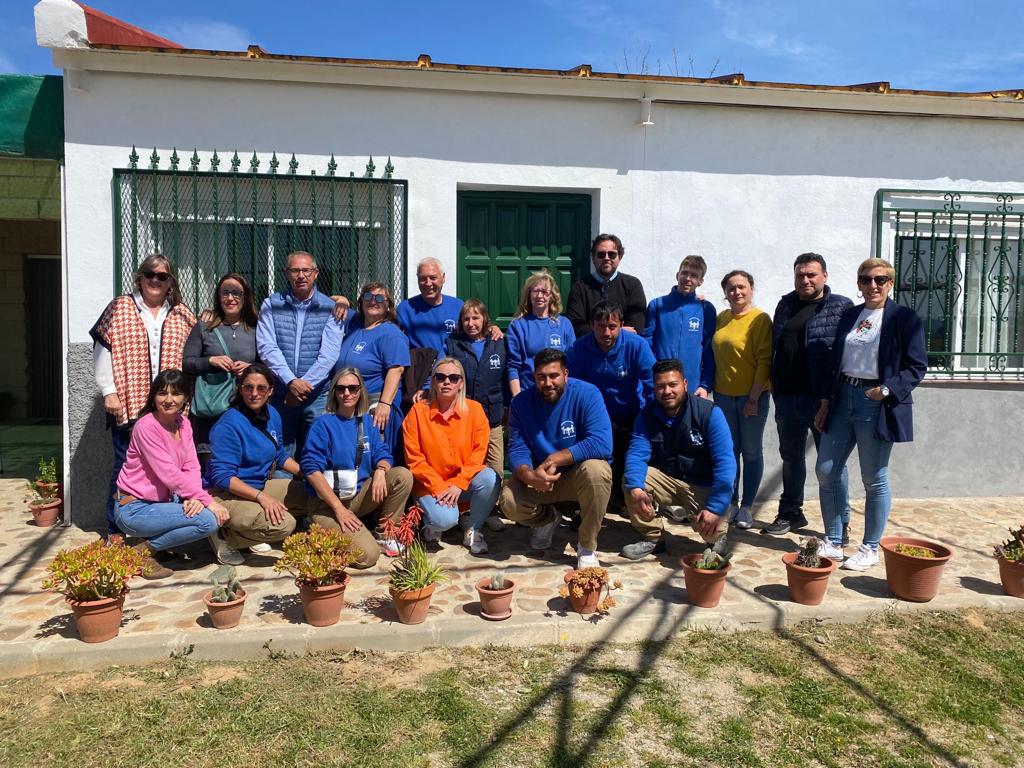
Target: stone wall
89 448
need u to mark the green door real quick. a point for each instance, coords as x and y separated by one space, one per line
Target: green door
504 236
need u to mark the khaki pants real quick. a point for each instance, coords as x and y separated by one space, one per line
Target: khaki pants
496 450
249 524
589 484
668 490
399 485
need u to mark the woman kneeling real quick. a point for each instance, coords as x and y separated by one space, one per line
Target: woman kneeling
160 494
446 439
350 469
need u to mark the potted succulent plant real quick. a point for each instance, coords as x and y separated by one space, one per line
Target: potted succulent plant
226 601
317 559
913 567
496 592
94 581
807 572
583 589
46 502
1010 556
704 575
411 583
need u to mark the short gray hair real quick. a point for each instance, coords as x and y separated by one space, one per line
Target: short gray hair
430 261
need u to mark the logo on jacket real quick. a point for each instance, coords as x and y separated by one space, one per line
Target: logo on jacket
621 372
567 429
696 437
554 341
495 362
449 325
694 323
359 347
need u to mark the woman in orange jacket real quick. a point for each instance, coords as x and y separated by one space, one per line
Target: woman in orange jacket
446 439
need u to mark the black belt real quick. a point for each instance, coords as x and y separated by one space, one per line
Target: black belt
854 381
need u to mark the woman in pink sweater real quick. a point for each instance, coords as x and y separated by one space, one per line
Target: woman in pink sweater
160 495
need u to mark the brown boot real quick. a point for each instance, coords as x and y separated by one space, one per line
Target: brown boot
151 569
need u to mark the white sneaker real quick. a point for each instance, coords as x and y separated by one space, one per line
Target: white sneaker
390 547
588 561
543 534
474 542
827 549
260 548
494 523
864 558
429 536
742 518
224 553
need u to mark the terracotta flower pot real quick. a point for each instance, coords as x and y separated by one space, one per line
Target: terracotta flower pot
46 513
1011 574
587 603
412 605
807 585
913 578
703 588
97 620
323 605
225 615
495 603
50 490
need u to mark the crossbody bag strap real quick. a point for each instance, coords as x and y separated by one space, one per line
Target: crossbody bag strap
359 456
223 345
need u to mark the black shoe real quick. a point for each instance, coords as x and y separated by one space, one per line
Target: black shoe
641 549
783 525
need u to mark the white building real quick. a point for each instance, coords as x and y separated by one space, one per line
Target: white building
499 171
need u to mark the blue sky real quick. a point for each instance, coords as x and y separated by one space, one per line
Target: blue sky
935 44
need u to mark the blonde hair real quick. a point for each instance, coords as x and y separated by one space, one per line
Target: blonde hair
554 304
362 404
460 398
869 264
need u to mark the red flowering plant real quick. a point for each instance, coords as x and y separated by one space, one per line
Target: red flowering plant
586 580
404 532
317 557
94 571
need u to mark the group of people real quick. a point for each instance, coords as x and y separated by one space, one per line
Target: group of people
241 425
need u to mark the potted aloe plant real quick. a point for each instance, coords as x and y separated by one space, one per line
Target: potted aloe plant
583 589
411 583
807 572
226 601
496 593
1010 556
94 581
704 576
317 559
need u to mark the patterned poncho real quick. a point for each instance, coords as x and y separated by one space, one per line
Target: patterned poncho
121 330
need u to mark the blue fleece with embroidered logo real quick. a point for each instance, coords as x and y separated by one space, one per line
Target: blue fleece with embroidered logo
374 351
429 326
680 325
528 335
578 422
331 444
240 448
622 374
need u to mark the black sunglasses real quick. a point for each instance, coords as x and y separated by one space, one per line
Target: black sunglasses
607 255
347 389
878 280
375 298
163 277
441 378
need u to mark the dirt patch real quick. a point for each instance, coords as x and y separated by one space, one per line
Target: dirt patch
217 675
974 619
121 682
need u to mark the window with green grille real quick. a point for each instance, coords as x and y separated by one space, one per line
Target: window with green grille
959 259
234 219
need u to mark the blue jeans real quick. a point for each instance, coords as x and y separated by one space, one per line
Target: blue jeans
297 419
119 438
482 495
164 524
852 423
747 436
794 418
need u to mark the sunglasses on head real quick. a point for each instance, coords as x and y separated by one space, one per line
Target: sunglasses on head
375 298
163 277
441 378
347 389
878 280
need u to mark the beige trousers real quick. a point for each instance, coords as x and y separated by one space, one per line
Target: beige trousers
668 490
249 524
496 450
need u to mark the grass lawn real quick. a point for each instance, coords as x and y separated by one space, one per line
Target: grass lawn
909 690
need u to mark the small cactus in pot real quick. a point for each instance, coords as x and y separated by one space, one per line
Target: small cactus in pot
226 601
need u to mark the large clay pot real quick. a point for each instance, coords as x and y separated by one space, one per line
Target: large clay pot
914 578
703 588
46 513
225 615
97 620
807 585
1011 574
587 603
495 604
323 605
412 605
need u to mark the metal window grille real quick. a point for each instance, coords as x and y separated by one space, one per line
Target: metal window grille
959 259
209 222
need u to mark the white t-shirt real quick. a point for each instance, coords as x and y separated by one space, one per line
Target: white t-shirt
860 355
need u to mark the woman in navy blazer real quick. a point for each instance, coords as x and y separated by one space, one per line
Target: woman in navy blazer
878 358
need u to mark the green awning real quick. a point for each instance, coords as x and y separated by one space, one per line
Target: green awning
32 116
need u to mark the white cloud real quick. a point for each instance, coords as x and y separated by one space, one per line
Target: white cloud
205 34
772 44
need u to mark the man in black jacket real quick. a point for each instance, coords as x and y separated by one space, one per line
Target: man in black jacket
606 283
804 330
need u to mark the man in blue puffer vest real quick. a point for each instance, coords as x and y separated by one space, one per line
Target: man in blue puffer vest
298 339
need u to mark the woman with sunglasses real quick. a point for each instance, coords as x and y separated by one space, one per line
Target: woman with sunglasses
246 448
377 348
223 347
878 358
350 471
446 438
537 325
160 496
138 335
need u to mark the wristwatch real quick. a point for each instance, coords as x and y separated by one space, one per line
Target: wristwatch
884 390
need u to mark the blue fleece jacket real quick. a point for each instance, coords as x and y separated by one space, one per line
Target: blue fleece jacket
331 444
622 374
577 422
373 352
429 326
242 446
680 325
528 335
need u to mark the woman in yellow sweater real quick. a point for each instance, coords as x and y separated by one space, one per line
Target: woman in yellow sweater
742 346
